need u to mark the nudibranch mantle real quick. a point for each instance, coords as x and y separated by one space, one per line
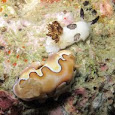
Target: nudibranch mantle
58 70
53 66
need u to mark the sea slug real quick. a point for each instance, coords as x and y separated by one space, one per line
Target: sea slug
46 80
62 37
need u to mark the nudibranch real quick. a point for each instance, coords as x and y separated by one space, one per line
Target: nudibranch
67 35
50 79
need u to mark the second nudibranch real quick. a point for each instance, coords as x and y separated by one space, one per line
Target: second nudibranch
48 80
62 37
71 34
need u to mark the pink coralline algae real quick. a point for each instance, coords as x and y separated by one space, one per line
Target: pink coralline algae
80 91
57 111
6 101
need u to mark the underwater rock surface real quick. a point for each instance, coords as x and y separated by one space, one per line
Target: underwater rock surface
23 29
7 103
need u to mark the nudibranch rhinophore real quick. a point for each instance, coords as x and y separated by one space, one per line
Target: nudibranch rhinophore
70 34
50 79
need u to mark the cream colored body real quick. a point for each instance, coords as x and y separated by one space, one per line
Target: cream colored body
42 81
68 37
